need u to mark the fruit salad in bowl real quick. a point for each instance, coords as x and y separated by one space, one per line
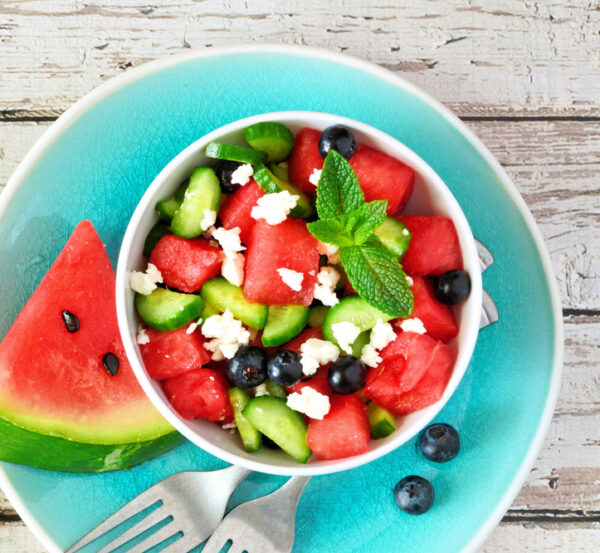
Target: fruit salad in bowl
298 293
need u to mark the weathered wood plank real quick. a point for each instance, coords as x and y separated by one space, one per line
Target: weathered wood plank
516 57
15 537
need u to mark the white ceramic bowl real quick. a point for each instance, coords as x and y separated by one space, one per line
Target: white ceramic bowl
430 197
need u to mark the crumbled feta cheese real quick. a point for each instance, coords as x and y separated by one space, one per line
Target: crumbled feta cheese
413 325
345 333
192 328
405 232
327 280
292 278
331 251
142 337
369 356
274 208
229 426
227 335
310 402
233 268
242 174
208 220
261 390
315 176
382 334
229 240
315 352
409 280
153 272
141 283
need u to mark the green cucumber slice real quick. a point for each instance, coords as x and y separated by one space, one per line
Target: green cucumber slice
381 422
355 310
166 310
275 390
283 323
394 235
159 230
166 209
273 138
316 316
203 192
361 341
281 172
286 427
208 311
271 184
251 438
221 294
241 154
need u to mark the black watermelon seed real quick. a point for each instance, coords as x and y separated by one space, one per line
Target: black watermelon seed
71 321
111 363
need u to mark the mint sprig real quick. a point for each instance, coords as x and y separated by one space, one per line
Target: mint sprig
347 221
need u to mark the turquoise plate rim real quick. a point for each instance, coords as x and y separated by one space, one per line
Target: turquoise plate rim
98 94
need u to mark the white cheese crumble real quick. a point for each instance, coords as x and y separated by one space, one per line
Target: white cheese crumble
227 334
405 232
142 337
382 334
291 278
413 325
274 208
331 251
327 280
141 283
409 280
261 390
315 176
192 328
229 240
345 333
310 402
242 174
369 356
208 219
153 272
232 268
315 353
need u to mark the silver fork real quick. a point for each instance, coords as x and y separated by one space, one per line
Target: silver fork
263 525
194 501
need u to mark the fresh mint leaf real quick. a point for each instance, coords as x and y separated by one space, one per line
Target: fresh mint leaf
377 278
331 231
362 222
338 191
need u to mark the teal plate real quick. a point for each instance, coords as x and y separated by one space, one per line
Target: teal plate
96 161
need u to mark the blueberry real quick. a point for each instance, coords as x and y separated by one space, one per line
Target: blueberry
440 443
284 368
347 375
248 368
452 287
338 138
224 169
414 495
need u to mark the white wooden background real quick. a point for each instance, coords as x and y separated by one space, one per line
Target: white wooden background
523 74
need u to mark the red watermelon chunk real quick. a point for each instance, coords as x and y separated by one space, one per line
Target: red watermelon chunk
168 354
437 317
305 159
306 334
287 245
433 247
236 209
343 432
318 382
383 177
186 264
199 394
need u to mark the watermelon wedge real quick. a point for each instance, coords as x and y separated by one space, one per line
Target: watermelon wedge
60 409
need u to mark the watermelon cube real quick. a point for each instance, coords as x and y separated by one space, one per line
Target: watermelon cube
318 382
383 177
343 432
433 248
168 354
305 159
287 245
186 264
236 209
306 334
199 394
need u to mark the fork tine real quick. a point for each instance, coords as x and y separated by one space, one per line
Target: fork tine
182 545
216 542
153 518
135 506
167 531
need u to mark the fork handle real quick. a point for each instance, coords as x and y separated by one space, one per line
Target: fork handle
294 487
236 474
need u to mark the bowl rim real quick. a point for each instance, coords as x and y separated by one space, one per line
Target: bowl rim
305 118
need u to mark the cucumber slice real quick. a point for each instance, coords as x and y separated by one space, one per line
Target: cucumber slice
283 323
159 230
381 421
316 316
251 438
221 295
281 172
166 310
273 138
208 311
355 310
203 192
271 184
286 427
241 154
275 390
394 235
166 209
361 341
